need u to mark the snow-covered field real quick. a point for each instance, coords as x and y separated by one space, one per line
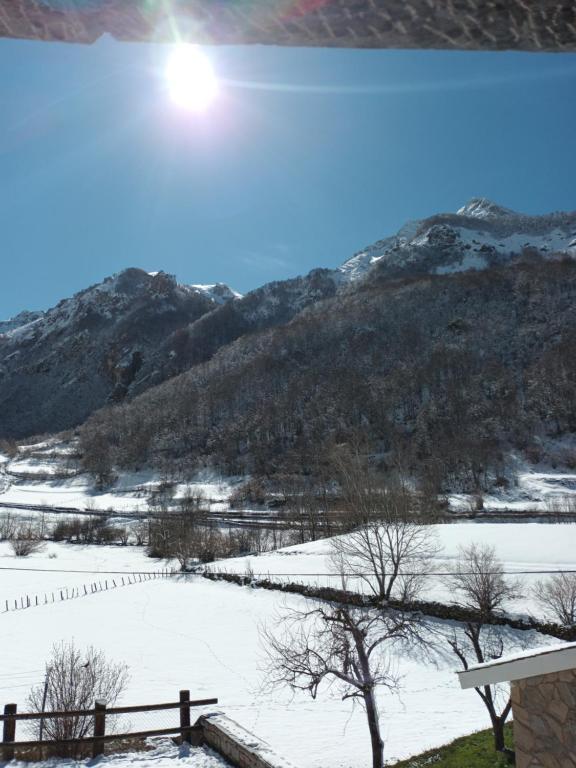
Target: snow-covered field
520 546
188 632
41 573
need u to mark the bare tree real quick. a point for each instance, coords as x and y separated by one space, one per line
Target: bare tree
480 582
342 646
557 596
74 680
8 526
192 502
392 553
478 643
141 530
185 540
25 540
361 488
161 535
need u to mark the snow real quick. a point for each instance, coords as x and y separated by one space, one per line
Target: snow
536 489
478 228
249 740
162 753
482 208
41 573
188 632
522 546
219 293
525 654
128 494
470 261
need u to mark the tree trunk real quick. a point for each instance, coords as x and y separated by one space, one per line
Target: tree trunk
498 729
374 726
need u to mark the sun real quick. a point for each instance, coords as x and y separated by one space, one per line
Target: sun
192 82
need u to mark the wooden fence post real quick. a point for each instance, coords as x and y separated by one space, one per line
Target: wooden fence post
185 715
9 733
99 727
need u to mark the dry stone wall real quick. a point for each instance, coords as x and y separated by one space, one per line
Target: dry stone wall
535 25
545 721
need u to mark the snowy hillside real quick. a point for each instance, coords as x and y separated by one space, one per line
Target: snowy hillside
480 234
22 318
96 347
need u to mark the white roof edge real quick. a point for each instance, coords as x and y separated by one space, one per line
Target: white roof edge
543 661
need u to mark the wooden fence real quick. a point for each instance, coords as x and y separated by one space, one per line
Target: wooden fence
189 733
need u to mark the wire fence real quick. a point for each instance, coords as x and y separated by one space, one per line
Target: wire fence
23 602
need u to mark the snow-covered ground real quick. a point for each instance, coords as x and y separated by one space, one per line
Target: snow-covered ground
547 486
60 566
48 474
162 754
187 632
520 546
536 490
43 481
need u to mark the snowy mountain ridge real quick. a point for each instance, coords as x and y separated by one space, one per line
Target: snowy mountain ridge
137 329
109 296
95 347
22 318
479 235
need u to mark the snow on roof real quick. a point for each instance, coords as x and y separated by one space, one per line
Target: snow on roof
537 661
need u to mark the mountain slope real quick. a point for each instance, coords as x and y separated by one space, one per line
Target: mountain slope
58 366
137 330
441 374
480 235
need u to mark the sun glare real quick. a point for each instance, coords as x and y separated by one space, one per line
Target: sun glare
192 82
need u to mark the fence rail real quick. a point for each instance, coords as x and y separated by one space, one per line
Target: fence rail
99 714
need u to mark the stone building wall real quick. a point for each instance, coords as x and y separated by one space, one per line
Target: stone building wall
534 25
545 721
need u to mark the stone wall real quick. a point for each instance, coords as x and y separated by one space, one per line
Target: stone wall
534 25
545 721
240 747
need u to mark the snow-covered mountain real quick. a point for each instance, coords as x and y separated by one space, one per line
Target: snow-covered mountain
137 329
219 293
479 235
57 366
22 318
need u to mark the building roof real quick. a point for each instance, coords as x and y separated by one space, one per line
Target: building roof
534 25
538 661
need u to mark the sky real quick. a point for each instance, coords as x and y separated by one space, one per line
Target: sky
304 157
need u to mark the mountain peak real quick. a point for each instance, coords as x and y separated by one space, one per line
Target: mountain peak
482 208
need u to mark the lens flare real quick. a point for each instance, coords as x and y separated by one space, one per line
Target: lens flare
192 82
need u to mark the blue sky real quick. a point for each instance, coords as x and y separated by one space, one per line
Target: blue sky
305 157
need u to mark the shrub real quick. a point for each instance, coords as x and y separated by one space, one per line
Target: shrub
26 540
